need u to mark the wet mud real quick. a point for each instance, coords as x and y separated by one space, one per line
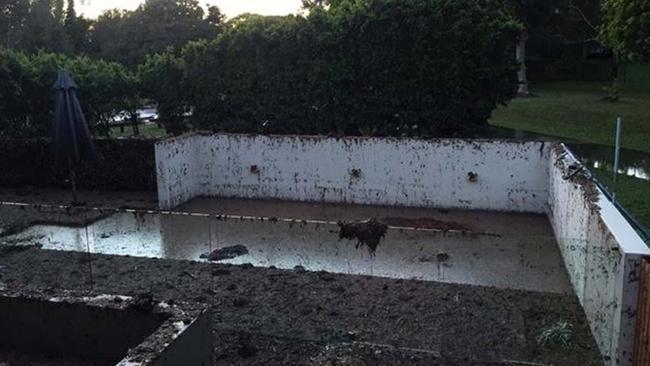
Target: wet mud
368 233
266 316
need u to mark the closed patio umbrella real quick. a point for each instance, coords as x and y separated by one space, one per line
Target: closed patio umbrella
71 138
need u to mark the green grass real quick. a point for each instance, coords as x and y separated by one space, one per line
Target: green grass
632 193
148 131
637 76
576 110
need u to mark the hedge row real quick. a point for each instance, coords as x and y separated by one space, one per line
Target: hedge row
353 67
372 67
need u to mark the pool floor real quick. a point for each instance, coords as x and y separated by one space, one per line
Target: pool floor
505 250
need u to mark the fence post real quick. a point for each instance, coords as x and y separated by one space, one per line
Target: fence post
617 151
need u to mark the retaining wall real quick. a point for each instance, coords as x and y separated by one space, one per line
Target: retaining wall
453 173
602 254
120 164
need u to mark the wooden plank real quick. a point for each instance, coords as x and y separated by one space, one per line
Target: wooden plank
642 341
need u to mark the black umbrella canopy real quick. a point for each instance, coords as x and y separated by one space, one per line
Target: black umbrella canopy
71 136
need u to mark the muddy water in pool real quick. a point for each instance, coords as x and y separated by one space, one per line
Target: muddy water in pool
482 248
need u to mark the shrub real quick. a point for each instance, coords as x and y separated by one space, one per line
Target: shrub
162 80
27 99
375 67
556 335
14 73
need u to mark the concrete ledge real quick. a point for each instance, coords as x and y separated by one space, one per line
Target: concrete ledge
602 253
105 328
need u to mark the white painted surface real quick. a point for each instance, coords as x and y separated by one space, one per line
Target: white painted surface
176 171
511 176
602 253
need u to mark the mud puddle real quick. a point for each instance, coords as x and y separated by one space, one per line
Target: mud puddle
509 260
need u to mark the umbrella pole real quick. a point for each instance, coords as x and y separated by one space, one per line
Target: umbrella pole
72 181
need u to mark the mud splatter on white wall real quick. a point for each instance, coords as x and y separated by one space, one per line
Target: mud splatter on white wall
602 254
601 251
453 173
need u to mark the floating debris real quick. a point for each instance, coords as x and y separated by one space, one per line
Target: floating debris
225 253
368 233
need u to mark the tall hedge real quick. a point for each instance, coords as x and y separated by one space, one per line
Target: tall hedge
354 67
374 67
27 97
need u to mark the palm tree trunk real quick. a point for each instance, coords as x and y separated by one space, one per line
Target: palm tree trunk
522 88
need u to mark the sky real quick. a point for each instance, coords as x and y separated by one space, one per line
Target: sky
92 8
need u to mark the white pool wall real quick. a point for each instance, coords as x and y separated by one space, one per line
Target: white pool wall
508 176
601 251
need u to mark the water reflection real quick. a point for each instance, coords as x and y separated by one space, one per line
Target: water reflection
599 157
509 260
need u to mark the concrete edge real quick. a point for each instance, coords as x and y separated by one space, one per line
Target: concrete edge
627 238
353 138
184 321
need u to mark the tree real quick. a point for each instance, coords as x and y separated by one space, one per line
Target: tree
215 18
14 73
313 4
13 15
626 28
105 88
536 16
70 12
58 11
43 31
128 37
110 35
161 80
76 29
26 95
43 25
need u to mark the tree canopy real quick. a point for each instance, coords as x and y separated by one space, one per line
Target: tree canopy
626 28
129 36
117 35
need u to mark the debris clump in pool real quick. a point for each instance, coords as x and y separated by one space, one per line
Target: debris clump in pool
225 253
368 233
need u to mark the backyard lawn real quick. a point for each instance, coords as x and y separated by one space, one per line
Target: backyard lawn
575 111
633 193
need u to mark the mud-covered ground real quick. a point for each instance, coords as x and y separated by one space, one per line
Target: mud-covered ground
270 316
292 317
